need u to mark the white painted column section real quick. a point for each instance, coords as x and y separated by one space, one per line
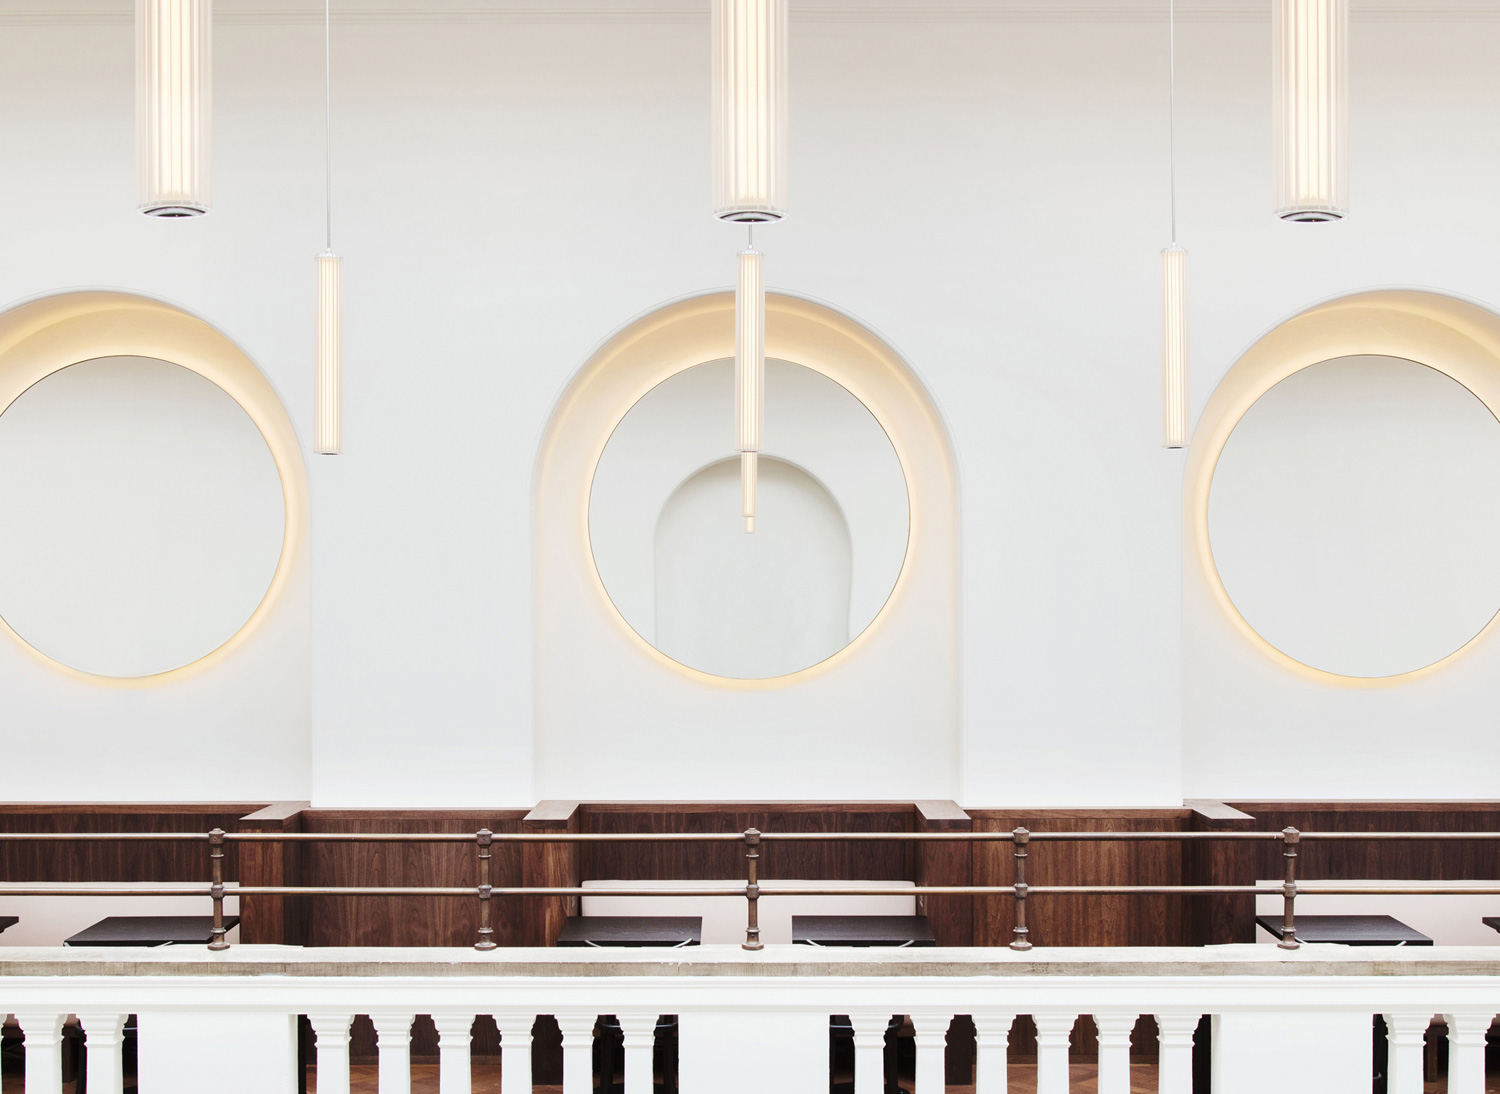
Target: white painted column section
930 1033
241 1051
332 1034
1052 1034
640 1040
393 1042
1114 1052
104 1035
1466 1033
869 1051
753 1051
1174 1039
1328 1051
578 1052
1405 1034
992 1053
43 1051
455 1032
515 1052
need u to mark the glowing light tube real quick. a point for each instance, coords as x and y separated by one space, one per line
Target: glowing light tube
1174 348
1310 100
328 352
173 106
749 109
749 372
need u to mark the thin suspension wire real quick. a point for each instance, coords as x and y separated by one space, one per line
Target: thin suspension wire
328 123
1172 109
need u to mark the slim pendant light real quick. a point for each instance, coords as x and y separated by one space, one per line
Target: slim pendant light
173 106
328 334
1310 89
1174 324
749 109
749 372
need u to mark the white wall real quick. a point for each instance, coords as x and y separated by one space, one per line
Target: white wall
983 183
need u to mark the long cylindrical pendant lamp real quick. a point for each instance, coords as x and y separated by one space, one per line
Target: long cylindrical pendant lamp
1174 348
329 356
749 373
1174 323
749 109
328 325
1310 89
173 106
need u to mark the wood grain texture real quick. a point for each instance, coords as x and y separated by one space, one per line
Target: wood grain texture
90 862
1219 920
951 917
272 920
549 865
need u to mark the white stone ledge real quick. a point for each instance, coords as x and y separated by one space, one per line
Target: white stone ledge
771 963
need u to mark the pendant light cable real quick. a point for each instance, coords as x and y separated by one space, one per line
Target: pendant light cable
1172 110
328 124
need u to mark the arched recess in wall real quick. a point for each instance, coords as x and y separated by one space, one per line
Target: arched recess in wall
1453 337
615 717
44 337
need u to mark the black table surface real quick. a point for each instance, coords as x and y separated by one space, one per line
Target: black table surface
8 921
150 930
1492 921
1350 930
862 930
631 930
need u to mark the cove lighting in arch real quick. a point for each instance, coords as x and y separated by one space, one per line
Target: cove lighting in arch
1310 89
173 106
749 109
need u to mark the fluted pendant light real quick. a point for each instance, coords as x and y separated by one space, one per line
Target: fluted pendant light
1310 89
173 106
328 350
749 109
1174 323
749 373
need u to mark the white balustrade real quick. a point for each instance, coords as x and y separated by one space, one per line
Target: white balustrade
747 1023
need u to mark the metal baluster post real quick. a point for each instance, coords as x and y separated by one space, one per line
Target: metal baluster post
483 838
1021 837
216 890
1289 838
752 890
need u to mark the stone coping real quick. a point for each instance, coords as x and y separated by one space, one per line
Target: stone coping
773 961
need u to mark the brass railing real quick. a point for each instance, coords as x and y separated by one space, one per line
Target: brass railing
751 839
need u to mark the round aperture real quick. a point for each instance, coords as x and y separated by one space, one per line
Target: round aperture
1353 516
144 516
668 538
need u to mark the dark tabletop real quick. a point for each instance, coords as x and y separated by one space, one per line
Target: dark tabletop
150 930
862 930
8 921
1492 921
631 930
1351 930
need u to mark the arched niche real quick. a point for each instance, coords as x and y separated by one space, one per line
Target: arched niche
1454 337
617 718
48 335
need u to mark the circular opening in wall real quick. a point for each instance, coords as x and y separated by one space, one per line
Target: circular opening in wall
1353 516
144 516
668 538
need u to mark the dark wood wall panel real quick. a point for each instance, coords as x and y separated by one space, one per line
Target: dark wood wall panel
407 920
131 861
1057 920
873 861
1460 860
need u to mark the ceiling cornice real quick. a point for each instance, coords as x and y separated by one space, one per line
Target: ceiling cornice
376 12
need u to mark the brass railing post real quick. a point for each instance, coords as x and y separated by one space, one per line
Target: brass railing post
482 840
216 889
752 890
1289 839
1020 940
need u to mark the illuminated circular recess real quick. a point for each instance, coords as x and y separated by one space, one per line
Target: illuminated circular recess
1353 516
144 516
668 538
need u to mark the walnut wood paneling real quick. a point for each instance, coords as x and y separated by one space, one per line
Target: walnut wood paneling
951 917
408 920
1060 920
1216 920
813 859
272 919
549 866
88 862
